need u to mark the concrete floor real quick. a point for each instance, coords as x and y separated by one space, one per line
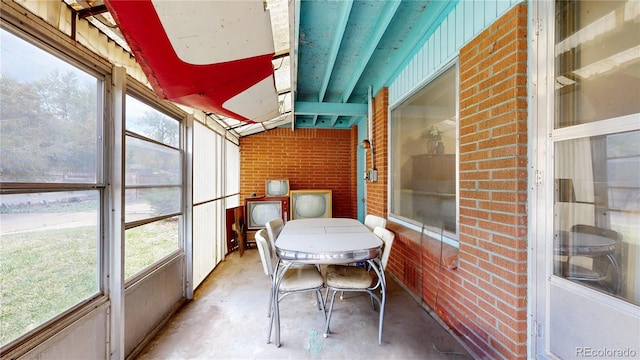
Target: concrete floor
228 320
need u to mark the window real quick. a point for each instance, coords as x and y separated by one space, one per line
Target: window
51 197
423 157
153 186
596 152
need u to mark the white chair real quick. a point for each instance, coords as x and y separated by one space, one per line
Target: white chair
294 280
374 221
345 278
274 227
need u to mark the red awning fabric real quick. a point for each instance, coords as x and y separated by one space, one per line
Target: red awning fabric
210 55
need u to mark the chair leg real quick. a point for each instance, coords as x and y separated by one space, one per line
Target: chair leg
326 327
320 301
373 303
277 316
326 296
270 303
617 288
383 301
380 324
271 321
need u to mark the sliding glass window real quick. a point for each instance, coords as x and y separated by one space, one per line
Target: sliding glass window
153 186
51 197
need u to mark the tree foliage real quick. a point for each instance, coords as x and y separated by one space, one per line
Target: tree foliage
48 128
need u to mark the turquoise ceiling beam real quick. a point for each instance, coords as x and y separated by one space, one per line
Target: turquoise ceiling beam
341 26
337 109
387 14
333 120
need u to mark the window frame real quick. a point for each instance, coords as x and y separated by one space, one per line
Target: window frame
561 132
409 223
101 72
145 97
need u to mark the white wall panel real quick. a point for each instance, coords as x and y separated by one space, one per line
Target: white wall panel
467 19
84 339
233 201
205 232
221 232
232 169
209 174
205 161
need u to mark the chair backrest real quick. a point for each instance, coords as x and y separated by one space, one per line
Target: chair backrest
373 221
387 237
274 227
265 251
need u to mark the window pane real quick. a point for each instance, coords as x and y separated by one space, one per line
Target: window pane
151 202
153 182
597 61
149 163
149 243
597 213
149 122
48 257
424 156
48 117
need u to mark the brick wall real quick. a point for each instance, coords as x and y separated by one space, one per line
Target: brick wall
480 289
309 158
377 191
493 185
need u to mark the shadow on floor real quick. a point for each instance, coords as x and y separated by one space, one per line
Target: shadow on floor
228 320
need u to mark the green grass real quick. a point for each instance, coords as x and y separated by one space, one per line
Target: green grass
42 274
45 273
148 244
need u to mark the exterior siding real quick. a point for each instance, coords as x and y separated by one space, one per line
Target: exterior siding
467 20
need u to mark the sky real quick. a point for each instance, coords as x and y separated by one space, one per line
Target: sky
25 62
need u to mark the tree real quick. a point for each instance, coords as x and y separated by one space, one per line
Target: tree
48 125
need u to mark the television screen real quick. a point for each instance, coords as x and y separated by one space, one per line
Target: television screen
310 204
277 188
263 211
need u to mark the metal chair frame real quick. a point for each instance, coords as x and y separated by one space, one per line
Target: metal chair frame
379 265
305 279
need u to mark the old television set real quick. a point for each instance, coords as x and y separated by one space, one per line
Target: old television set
277 188
260 210
307 204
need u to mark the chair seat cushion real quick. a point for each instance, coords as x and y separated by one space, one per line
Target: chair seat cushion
301 278
352 277
576 272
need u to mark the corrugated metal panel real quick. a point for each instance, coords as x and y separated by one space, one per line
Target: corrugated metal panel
208 213
205 233
84 339
148 302
232 167
205 164
59 15
467 20
220 233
